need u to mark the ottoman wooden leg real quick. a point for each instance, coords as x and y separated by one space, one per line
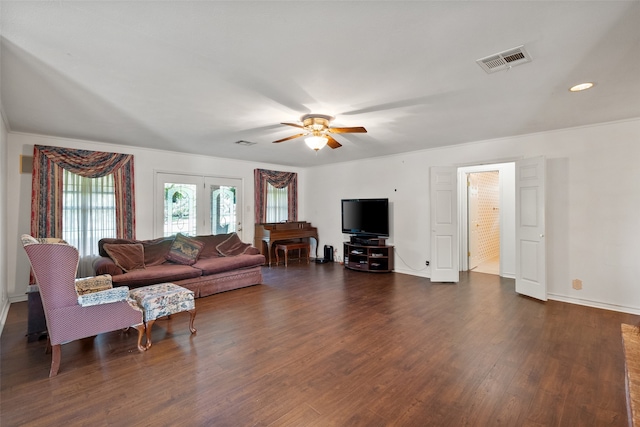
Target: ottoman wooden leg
140 329
148 326
192 314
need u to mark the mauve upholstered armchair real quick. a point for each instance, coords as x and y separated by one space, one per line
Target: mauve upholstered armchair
54 267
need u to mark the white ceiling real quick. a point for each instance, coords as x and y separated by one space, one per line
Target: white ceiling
197 76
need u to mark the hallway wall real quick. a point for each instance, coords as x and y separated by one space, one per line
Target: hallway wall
488 214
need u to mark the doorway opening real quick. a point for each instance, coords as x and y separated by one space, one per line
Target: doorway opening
483 215
486 205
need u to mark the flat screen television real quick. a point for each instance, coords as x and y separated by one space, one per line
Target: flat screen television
365 217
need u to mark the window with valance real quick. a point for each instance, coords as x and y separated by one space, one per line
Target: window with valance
276 196
90 193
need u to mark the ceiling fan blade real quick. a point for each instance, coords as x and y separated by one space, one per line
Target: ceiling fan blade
358 129
332 142
290 137
293 124
417 101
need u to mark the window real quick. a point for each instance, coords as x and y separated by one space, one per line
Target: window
88 211
276 196
277 204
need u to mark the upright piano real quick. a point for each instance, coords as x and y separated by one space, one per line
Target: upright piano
267 234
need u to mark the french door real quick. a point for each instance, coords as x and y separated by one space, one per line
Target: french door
192 205
530 227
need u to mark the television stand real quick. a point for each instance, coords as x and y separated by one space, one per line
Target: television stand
368 257
368 241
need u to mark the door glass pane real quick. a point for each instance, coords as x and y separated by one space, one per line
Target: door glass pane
223 209
180 209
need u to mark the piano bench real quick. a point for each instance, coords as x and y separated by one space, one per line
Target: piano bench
288 246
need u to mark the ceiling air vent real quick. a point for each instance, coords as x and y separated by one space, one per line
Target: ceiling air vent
504 60
245 143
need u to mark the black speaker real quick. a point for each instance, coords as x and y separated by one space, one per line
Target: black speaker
328 253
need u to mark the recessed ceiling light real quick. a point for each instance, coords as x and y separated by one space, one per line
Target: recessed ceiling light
581 86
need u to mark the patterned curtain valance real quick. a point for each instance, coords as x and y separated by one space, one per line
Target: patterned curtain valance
278 179
90 164
46 189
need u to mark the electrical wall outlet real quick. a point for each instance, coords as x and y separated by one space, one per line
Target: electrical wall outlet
576 284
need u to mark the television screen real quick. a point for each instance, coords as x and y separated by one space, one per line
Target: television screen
365 217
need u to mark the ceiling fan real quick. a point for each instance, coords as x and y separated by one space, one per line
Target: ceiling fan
317 125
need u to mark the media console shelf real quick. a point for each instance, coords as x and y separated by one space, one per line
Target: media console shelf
371 258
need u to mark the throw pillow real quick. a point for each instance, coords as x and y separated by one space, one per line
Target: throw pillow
30 240
233 246
89 285
184 250
127 256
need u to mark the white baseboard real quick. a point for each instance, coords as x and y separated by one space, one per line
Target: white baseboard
4 311
17 298
424 273
594 304
411 272
555 297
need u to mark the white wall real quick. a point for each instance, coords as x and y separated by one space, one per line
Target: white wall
593 205
593 230
147 162
4 293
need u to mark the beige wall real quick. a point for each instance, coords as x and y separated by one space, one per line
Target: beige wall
488 184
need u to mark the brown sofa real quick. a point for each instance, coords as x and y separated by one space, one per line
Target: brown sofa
222 264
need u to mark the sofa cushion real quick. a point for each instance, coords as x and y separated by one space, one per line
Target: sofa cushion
128 256
156 274
106 240
233 246
221 264
105 265
156 250
210 242
184 250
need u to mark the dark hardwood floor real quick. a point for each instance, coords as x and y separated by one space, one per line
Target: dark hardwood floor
318 345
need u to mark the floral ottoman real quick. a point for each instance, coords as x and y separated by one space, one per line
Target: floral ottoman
161 300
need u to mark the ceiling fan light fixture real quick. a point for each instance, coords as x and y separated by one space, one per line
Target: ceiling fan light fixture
318 132
582 86
316 142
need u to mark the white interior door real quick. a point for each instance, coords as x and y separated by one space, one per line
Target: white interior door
444 225
530 228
